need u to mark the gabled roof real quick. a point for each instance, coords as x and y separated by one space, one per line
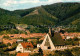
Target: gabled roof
57 39
22 54
27 45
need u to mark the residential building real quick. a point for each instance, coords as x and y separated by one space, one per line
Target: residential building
19 40
24 47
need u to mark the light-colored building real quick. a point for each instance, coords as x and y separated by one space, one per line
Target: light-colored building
24 47
52 41
19 40
47 44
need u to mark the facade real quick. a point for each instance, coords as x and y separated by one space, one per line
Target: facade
47 44
24 47
19 40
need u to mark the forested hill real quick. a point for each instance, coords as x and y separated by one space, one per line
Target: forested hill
65 12
54 14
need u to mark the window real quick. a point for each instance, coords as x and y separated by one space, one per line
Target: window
20 48
47 43
11 36
49 47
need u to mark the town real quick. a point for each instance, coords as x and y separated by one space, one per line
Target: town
39 28
39 43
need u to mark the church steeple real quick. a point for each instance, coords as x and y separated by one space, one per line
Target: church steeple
50 31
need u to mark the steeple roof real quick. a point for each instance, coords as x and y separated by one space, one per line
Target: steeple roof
56 38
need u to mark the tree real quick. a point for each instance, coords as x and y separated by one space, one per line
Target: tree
40 51
7 37
9 44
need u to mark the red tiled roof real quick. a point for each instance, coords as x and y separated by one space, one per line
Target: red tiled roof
25 36
27 45
41 38
6 41
22 54
72 35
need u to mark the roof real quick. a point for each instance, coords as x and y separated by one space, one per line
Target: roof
32 40
27 45
6 41
22 54
24 35
57 39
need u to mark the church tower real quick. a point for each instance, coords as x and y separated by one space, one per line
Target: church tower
47 43
50 31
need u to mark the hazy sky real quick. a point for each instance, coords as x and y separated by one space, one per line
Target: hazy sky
25 4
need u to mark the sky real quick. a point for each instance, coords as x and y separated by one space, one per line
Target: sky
26 4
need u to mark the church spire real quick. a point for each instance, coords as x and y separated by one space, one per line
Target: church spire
50 31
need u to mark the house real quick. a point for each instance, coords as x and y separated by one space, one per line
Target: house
11 41
52 41
19 40
24 47
22 54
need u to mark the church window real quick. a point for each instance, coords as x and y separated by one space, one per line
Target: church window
47 43
49 47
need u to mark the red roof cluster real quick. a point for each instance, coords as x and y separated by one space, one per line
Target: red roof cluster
6 41
27 45
72 35
24 35
22 54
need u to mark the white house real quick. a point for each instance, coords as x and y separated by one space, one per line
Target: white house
68 37
19 40
24 47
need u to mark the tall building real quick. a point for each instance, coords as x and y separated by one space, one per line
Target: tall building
51 40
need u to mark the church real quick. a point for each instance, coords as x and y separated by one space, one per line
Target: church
52 41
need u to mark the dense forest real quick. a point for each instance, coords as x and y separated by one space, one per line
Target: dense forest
65 12
54 14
